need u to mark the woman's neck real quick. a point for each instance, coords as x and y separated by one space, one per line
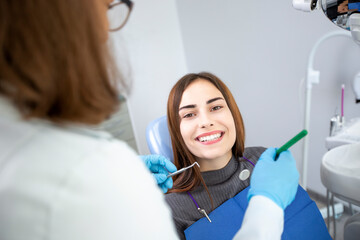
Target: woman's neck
214 163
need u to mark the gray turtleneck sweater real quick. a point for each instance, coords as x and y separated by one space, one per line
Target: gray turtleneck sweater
223 184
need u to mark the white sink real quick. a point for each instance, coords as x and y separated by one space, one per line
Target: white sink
340 171
349 134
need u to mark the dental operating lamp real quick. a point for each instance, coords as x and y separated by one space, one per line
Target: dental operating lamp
346 15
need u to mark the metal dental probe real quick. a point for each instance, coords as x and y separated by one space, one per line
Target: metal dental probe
183 169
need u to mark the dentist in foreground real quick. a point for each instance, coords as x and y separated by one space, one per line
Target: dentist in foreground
60 180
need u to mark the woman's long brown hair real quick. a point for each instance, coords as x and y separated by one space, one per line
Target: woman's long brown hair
54 61
189 180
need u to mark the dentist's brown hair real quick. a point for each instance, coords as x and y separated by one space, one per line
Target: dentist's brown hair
54 61
188 180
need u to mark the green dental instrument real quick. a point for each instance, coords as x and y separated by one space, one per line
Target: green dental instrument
291 142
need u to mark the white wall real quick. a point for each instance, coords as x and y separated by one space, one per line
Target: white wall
260 50
152 43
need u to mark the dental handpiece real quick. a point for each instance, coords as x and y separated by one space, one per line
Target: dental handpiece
182 170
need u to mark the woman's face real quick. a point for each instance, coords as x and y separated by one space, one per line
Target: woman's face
207 125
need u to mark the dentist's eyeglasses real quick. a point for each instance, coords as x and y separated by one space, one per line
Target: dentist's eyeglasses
118 14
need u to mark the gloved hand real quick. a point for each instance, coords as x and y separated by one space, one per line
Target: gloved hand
277 180
160 167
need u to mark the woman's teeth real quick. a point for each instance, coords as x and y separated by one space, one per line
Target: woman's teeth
210 137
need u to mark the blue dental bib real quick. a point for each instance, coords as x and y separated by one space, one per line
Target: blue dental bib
302 220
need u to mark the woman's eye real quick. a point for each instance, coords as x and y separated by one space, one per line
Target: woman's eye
188 115
216 108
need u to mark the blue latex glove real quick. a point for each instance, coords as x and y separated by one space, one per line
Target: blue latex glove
277 180
160 167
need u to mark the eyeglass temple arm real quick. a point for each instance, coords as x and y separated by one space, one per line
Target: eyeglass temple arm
129 3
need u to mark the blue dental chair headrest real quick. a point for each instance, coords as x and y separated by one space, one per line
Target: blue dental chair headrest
158 138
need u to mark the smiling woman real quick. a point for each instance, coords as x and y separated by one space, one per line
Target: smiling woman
206 126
